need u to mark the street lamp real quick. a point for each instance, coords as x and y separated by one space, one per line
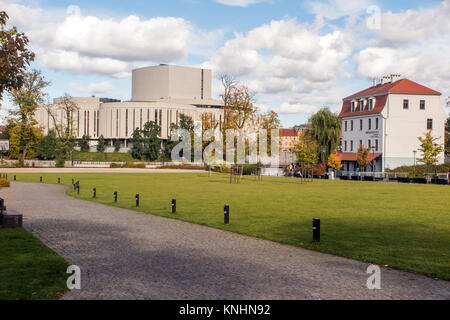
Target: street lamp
415 151
373 158
435 164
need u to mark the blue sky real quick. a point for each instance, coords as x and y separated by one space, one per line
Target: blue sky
297 56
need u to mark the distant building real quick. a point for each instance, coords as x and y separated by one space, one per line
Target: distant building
288 139
159 93
388 118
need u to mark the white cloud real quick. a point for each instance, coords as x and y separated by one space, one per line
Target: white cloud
239 3
334 9
89 44
413 43
92 88
294 108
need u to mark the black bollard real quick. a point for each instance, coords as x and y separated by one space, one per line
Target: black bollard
95 192
41 179
59 180
14 178
115 196
226 215
316 230
174 205
137 200
78 187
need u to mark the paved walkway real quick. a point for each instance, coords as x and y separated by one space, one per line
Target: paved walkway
95 170
129 255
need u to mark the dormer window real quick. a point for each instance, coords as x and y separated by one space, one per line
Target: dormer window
353 106
361 104
371 103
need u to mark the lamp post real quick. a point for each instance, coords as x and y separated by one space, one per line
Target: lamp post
373 158
415 151
435 164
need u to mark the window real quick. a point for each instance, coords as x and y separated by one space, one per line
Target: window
351 145
360 125
370 124
405 104
351 125
345 125
353 106
376 144
422 104
361 105
376 123
360 142
430 124
345 145
370 104
370 144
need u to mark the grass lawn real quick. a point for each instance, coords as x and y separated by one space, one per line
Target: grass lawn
102 156
400 225
29 269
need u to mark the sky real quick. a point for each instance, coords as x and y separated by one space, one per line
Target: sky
295 56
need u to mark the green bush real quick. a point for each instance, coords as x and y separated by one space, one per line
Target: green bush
420 170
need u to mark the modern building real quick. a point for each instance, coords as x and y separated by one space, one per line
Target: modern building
159 93
388 118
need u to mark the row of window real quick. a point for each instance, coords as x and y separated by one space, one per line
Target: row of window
361 104
349 146
361 124
422 104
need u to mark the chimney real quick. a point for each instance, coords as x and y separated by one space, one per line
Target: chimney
395 77
385 79
374 82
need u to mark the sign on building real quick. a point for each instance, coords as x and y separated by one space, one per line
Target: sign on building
4 145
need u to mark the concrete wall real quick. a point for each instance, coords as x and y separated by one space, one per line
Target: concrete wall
404 126
171 82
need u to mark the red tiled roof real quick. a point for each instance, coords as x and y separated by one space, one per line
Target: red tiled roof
381 92
347 156
346 111
288 133
400 86
2 128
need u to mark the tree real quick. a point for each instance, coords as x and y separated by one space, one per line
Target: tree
146 143
306 150
64 127
101 144
169 144
430 149
14 57
363 157
25 133
117 145
326 130
152 143
47 148
84 143
334 162
240 108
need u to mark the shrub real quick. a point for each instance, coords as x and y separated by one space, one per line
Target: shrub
4 183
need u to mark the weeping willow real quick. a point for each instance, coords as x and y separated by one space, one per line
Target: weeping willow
326 130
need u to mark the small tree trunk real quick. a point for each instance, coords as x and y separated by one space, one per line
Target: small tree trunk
24 154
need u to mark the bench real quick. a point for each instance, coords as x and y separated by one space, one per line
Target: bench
11 219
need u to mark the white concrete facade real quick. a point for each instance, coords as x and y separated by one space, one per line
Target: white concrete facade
117 120
400 112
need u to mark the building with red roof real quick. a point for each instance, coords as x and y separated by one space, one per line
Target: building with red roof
388 118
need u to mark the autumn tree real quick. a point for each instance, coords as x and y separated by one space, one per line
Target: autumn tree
430 149
25 133
307 151
363 157
334 162
64 127
15 57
